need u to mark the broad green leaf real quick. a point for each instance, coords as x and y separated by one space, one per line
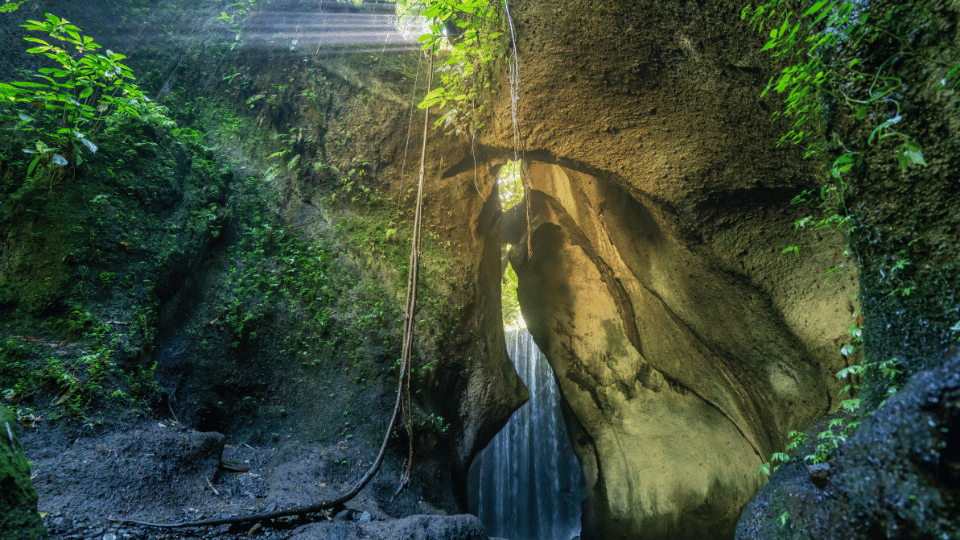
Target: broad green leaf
435 96
793 32
784 26
33 165
815 8
910 157
24 84
54 72
824 13
842 164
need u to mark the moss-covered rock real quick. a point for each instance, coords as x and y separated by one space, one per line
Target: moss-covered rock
906 227
19 519
897 477
86 261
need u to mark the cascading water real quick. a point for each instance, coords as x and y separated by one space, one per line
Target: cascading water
527 484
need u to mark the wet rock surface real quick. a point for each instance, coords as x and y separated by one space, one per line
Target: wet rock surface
460 527
898 476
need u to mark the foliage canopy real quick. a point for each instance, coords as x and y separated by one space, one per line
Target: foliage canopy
60 110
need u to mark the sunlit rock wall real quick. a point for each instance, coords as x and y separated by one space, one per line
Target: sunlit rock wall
686 344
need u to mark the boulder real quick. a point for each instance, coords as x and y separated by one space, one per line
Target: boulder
19 519
417 527
896 477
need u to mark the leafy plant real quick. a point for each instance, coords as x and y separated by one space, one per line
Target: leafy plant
840 428
12 6
61 110
816 78
509 303
817 86
436 422
468 32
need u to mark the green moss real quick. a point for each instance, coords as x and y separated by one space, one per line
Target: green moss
19 519
89 259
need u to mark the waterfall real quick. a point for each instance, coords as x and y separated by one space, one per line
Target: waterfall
528 484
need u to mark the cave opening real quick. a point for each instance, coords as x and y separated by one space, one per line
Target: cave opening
510 190
527 483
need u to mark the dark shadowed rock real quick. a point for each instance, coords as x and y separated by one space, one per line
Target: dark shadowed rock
898 476
419 527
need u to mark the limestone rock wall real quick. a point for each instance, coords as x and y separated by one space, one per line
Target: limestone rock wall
685 344
895 476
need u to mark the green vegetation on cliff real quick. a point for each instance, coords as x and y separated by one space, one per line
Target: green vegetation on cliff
861 86
170 254
872 91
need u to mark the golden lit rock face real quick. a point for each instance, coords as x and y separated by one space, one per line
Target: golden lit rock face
685 344
682 377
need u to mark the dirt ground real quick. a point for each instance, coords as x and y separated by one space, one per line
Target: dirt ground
159 471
